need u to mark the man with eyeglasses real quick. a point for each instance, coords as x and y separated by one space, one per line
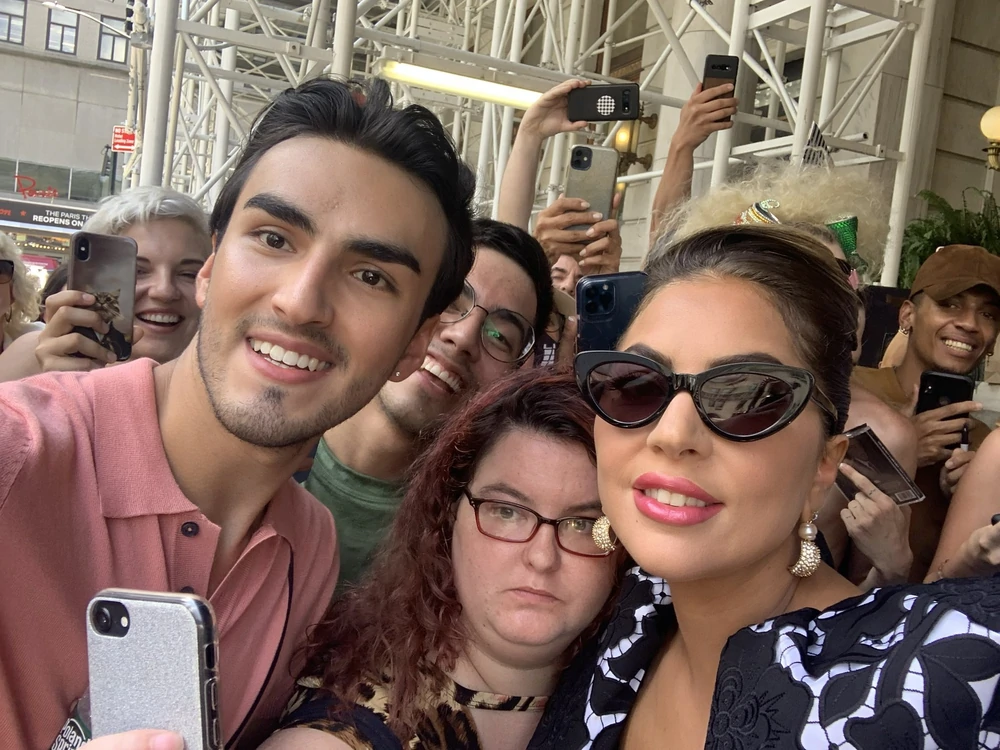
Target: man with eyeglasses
489 331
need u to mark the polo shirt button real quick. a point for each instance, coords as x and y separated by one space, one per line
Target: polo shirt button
187 590
190 529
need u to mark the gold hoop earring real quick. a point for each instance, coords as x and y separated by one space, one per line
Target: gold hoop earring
601 532
809 556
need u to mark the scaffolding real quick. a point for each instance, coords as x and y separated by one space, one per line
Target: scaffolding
214 63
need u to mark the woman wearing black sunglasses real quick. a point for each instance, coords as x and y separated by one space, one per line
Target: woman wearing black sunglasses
719 434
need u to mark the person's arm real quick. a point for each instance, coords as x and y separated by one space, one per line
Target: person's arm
543 119
18 360
702 115
966 541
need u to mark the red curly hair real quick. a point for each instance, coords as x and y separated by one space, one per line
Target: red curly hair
407 607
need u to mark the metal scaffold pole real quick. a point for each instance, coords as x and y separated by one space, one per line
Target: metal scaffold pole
907 143
158 97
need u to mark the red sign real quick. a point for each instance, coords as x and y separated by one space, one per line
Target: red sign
28 188
122 139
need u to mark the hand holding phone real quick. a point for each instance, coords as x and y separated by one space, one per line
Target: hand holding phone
708 111
104 267
941 411
591 176
720 70
61 347
603 102
549 115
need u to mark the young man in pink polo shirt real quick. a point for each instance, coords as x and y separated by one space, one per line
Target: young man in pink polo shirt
344 230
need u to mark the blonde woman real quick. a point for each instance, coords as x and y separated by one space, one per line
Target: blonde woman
171 232
18 294
817 196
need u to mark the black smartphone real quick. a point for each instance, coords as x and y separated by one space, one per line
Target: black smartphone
605 304
720 69
104 266
939 389
868 455
602 102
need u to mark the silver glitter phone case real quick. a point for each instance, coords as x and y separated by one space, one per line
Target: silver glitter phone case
153 665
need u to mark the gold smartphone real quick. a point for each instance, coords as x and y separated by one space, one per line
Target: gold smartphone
591 176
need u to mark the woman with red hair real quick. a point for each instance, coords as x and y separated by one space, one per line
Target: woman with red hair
487 585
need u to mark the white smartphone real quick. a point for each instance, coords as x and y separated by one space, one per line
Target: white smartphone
153 660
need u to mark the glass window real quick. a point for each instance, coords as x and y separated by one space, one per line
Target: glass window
12 21
111 46
62 31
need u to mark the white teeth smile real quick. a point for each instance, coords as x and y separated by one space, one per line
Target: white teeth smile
287 357
450 379
960 345
163 318
663 497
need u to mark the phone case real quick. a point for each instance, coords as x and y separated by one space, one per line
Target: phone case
104 266
605 305
867 454
603 102
591 175
939 389
720 69
162 673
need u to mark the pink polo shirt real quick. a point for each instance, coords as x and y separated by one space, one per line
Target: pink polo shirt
87 501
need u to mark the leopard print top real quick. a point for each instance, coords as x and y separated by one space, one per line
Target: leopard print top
446 722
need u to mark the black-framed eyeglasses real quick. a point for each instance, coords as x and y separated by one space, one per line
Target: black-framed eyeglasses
507 336
6 271
510 522
742 402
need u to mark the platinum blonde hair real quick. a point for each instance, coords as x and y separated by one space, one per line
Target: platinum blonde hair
25 307
141 205
811 195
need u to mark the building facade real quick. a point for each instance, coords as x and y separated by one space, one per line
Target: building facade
63 87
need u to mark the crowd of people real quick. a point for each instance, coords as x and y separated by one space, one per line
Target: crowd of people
424 520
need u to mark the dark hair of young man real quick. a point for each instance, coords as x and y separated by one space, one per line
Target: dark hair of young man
524 250
362 116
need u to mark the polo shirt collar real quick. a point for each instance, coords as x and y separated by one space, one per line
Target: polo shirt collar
133 474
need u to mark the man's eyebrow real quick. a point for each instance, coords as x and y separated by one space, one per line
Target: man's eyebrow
282 210
386 252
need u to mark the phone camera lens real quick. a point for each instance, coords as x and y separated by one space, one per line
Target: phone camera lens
102 619
83 250
607 300
590 306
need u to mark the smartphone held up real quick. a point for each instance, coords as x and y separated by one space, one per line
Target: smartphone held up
153 661
105 267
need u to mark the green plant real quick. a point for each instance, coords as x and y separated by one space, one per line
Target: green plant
945 225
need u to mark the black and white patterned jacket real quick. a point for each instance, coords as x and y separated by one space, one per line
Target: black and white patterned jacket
902 667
